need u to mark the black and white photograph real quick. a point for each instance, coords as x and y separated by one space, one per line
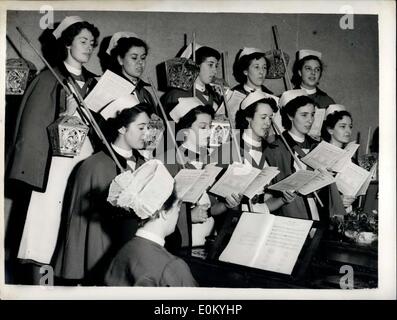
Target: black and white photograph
199 149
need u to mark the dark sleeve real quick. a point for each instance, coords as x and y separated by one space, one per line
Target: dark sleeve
177 274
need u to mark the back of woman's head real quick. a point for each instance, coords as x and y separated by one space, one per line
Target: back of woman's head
70 33
121 49
289 110
330 122
249 112
124 118
298 65
187 120
242 64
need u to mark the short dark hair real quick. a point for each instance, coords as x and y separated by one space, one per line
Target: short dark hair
241 65
188 119
331 121
124 117
203 53
121 49
290 109
249 112
71 32
298 65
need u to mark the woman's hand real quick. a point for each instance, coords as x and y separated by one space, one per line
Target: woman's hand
347 200
71 106
288 196
233 200
199 214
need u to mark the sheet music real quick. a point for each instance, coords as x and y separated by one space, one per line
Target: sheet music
109 87
264 178
236 179
283 245
294 182
350 150
234 104
319 116
206 178
325 155
185 179
351 178
247 238
363 190
320 180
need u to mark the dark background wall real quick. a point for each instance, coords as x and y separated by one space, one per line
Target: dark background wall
350 56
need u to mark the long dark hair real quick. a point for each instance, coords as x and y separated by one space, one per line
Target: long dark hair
70 33
331 121
298 65
124 118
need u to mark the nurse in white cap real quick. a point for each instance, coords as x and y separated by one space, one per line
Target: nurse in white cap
307 72
143 261
249 70
128 54
337 130
33 163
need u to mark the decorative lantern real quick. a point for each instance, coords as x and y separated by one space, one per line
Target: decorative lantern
67 135
19 72
276 69
181 73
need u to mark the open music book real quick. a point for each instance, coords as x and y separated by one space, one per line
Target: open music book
354 180
267 242
243 179
326 155
190 184
304 181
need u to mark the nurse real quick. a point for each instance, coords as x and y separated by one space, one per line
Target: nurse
143 261
307 72
33 163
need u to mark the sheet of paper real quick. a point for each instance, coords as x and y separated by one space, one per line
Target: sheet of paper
320 180
109 87
234 104
236 179
247 238
350 150
283 245
351 178
185 179
363 190
294 182
263 179
325 155
319 116
200 185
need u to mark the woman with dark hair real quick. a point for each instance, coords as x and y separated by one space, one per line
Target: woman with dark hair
297 112
249 70
93 229
337 130
33 163
253 120
128 55
143 261
307 71
207 59
193 130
